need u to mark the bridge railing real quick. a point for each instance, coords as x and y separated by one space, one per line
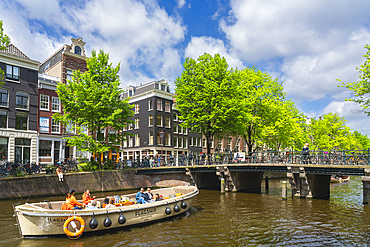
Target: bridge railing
342 157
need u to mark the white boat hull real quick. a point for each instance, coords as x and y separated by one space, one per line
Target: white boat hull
34 221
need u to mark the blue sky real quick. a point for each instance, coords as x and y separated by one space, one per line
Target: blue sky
307 45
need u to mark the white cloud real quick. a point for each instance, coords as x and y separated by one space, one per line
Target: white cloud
180 3
199 45
139 34
352 112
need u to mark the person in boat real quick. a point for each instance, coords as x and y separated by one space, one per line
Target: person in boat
111 203
71 202
140 197
148 195
86 197
157 197
92 205
306 154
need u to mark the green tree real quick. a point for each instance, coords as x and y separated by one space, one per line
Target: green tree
92 100
4 42
330 132
361 88
207 97
267 118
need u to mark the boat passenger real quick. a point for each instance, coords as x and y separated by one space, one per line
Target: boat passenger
140 196
111 203
156 197
92 205
71 202
86 197
149 195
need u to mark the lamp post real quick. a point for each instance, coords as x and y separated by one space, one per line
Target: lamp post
161 135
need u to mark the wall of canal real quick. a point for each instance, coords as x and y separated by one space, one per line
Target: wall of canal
45 185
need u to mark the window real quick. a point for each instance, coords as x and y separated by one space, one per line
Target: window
70 127
180 142
130 126
204 143
190 141
21 121
199 141
167 106
137 123
159 105
175 128
185 131
125 127
22 149
55 104
3 97
69 75
12 72
167 122
137 108
229 143
220 144
180 129
175 144
150 120
237 147
83 129
44 148
55 126
151 142
195 141
130 141
124 144
21 100
185 142
175 117
3 119
101 135
77 50
3 148
159 120
163 87
44 102
137 140
150 105
167 137
159 141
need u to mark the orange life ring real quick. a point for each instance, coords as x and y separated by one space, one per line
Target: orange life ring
77 233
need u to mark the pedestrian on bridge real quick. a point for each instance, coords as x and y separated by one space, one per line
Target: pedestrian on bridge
306 154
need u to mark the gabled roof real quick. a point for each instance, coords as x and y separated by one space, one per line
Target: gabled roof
12 50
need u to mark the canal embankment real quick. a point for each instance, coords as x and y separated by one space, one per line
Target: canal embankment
48 184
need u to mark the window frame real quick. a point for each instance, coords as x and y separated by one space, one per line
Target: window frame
161 124
44 102
54 104
1 97
22 97
167 106
17 117
55 124
11 76
160 104
6 119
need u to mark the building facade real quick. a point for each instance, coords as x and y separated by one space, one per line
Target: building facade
18 106
62 64
157 129
49 139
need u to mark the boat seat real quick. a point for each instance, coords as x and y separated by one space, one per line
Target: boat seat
98 204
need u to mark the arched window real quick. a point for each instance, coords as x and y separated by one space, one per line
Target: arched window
78 50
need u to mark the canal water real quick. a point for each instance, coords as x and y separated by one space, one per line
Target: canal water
232 219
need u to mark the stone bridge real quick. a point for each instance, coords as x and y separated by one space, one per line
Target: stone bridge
306 180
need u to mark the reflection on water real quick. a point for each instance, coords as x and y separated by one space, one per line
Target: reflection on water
234 219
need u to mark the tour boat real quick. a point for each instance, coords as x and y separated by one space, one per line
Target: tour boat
339 179
47 219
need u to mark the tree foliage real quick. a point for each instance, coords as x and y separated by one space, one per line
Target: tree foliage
4 42
361 88
92 100
207 97
268 119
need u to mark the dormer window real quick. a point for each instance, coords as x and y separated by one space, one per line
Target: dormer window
77 50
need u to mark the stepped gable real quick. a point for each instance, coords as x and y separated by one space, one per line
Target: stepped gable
13 50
